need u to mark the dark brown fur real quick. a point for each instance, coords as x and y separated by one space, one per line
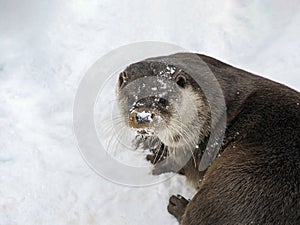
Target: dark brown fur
256 180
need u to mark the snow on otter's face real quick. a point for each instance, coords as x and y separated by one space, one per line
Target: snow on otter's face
159 105
144 116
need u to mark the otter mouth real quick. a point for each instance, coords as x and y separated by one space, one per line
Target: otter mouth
145 132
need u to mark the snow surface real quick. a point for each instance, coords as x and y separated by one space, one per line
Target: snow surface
45 49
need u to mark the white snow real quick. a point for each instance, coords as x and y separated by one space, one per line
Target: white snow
45 49
144 116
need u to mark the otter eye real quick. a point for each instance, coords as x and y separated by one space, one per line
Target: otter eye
181 81
162 101
122 78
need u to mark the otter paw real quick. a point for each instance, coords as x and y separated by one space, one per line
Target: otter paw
153 158
177 205
156 156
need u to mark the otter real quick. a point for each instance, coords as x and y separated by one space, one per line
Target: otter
253 175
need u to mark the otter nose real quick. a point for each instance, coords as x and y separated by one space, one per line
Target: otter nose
144 117
141 119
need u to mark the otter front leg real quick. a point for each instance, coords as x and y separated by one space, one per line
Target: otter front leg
177 206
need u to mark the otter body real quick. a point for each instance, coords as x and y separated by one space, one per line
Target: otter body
256 178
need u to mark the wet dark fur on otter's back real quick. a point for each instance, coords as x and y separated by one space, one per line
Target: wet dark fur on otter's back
257 178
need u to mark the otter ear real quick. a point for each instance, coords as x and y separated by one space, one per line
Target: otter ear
181 81
122 78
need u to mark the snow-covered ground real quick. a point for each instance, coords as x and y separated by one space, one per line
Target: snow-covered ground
45 49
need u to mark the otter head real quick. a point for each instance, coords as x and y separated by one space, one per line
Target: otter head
159 99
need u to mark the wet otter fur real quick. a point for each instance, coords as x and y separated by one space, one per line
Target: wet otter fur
256 179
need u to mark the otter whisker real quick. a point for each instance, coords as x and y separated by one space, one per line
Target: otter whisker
114 141
186 137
